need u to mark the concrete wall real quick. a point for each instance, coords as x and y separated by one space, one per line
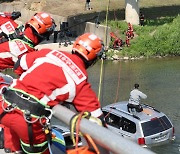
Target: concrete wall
79 28
100 30
27 14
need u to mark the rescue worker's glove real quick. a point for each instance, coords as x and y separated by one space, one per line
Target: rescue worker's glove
15 15
75 122
96 120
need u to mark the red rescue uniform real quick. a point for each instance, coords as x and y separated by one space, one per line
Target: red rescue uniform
52 77
7 24
12 50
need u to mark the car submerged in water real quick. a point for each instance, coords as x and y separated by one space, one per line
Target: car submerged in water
147 128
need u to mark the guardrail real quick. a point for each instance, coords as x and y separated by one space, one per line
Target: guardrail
102 136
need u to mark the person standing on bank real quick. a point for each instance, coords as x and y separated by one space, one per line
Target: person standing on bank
135 97
87 5
48 77
141 18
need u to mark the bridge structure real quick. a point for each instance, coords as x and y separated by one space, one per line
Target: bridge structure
132 11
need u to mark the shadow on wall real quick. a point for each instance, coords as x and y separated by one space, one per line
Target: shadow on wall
1 1
155 15
151 13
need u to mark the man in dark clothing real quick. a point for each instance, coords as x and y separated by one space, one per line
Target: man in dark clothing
141 18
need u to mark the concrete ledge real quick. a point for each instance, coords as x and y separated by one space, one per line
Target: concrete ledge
55 46
100 30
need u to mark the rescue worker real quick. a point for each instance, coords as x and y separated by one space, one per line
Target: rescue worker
6 138
118 43
48 77
8 26
128 35
38 28
134 100
130 30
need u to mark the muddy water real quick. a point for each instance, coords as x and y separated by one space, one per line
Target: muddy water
158 78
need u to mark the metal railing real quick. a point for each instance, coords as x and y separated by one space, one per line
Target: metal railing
102 136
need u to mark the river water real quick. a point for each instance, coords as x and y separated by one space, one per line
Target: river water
158 78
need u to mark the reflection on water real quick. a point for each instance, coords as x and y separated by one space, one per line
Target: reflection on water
158 78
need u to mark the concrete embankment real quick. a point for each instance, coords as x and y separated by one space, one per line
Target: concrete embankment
79 26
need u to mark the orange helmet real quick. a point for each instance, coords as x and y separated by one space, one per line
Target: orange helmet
42 23
89 46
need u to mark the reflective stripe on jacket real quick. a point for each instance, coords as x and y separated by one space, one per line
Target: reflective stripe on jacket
53 76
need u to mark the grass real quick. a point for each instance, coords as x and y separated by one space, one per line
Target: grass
159 37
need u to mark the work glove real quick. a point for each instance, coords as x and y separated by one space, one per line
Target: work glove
15 15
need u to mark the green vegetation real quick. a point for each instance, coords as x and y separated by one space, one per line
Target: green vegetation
159 37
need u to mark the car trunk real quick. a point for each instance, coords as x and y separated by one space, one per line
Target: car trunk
157 130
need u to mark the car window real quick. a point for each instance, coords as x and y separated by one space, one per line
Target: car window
120 122
156 125
128 125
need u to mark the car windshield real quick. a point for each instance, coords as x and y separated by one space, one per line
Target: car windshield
156 125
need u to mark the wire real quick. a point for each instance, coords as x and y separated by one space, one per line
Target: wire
117 91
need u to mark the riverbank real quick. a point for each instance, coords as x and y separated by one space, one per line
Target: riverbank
158 38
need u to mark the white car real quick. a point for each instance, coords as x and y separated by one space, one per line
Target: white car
147 128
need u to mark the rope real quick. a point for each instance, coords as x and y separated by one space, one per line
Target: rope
106 33
100 79
77 128
75 122
102 60
117 91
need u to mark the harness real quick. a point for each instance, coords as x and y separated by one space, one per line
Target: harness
17 34
30 106
6 37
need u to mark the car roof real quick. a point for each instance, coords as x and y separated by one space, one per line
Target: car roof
120 108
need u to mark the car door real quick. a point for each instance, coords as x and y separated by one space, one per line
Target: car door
120 125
